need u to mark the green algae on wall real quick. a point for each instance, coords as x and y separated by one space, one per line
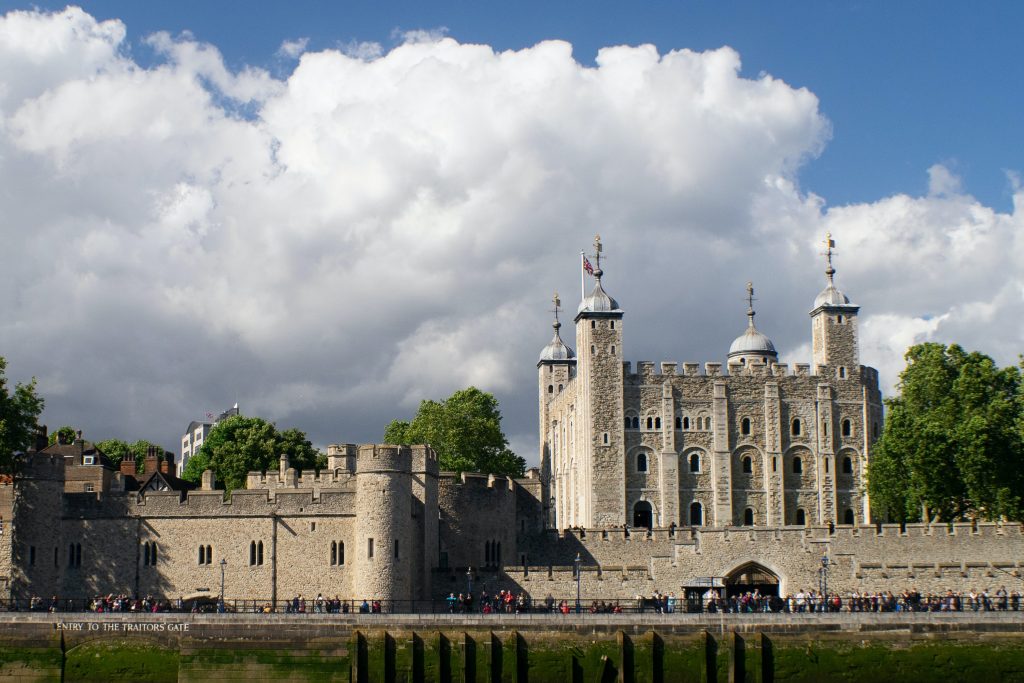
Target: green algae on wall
113 660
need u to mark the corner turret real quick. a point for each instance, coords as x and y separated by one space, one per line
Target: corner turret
834 327
752 346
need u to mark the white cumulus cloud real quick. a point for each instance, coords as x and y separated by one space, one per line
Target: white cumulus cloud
375 228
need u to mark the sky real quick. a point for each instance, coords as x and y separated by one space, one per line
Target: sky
327 212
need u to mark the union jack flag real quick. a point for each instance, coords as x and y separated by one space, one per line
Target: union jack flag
587 267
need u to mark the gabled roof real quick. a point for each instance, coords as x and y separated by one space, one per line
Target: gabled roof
160 481
77 450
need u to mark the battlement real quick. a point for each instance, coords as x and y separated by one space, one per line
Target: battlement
293 479
383 458
648 370
477 481
43 467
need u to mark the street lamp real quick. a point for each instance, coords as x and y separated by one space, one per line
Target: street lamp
823 583
223 564
578 561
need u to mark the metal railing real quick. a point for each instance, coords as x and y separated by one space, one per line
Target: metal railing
495 605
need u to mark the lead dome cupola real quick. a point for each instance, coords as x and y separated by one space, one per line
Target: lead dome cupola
752 345
598 301
556 350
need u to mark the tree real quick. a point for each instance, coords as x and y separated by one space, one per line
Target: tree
19 414
117 450
952 439
239 445
464 430
65 434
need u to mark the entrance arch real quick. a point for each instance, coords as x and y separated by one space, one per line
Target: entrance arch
643 515
750 577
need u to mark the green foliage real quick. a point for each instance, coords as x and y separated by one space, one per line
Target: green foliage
952 439
117 450
19 411
240 445
67 434
464 430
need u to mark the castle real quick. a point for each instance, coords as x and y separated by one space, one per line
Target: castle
655 479
756 446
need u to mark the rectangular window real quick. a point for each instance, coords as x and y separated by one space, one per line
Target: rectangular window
369 548
90 488
88 459
396 548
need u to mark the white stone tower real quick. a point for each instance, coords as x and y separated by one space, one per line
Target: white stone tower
557 365
834 327
600 499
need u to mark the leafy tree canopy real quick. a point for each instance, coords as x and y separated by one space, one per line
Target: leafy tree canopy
19 412
67 434
117 450
953 439
239 445
464 430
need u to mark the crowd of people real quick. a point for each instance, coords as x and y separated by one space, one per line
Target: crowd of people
511 602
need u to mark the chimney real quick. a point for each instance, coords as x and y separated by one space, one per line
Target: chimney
42 438
151 462
128 466
167 464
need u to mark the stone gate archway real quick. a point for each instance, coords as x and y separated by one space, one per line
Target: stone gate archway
750 577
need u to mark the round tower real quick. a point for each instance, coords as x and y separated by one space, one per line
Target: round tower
383 524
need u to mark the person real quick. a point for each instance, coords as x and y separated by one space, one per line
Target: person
364 608
549 603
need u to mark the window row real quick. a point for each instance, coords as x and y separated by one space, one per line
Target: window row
696 516
74 555
255 553
704 423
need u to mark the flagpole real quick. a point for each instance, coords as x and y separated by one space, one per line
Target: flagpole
583 286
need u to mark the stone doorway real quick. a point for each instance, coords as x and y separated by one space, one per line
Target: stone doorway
643 515
750 577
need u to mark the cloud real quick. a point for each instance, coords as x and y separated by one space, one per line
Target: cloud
330 247
293 49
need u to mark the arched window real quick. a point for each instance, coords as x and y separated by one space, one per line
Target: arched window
650 423
487 553
842 372
641 462
334 553
259 552
593 324
748 517
606 438
613 324
847 465
679 423
847 427
796 427
695 462
686 423
798 465
696 514
745 426
145 552
848 517
152 553
560 387
252 553
748 464
643 515
627 423
801 517
341 553
636 423
551 388
613 350
826 465
657 423
593 350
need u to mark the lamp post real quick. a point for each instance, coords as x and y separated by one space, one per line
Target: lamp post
223 564
469 589
578 561
823 574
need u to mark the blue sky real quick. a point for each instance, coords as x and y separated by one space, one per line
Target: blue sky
329 235
905 84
